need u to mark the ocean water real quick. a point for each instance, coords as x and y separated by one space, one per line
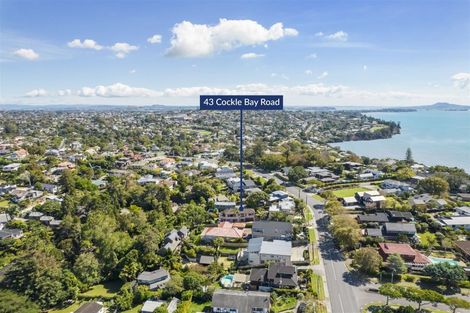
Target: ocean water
435 137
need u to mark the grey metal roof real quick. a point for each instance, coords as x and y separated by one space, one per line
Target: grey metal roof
242 301
400 228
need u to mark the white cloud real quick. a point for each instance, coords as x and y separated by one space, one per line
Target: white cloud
322 75
251 55
36 93
117 90
319 34
283 76
461 80
133 71
155 39
121 49
308 72
28 54
198 40
85 44
338 36
312 56
364 67
64 92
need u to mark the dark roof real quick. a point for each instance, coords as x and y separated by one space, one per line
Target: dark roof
374 232
90 307
464 246
400 214
272 228
206 259
258 274
377 217
282 275
400 227
150 276
10 232
242 301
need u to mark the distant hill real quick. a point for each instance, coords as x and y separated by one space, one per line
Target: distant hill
443 106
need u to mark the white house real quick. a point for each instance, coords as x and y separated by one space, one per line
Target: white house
260 251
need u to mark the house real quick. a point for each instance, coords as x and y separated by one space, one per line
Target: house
270 230
91 307
148 179
278 195
373 232
235 301
21 194
173 305
100 183
399 216
234 184
464 196
351 165
50 188
151 305
349 201
225 230
46 219
260 251
422 200
455 222
34 215
19 155
4 219
225 205
390 184
371 199
373 218
277 275
464 248
224 173
154 279
11 233
206 260
286 205
174 239
397 229
413 259
236 216
13 167
462 211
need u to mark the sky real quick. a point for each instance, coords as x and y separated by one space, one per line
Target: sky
315 53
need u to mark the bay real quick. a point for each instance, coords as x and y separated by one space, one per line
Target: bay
435 138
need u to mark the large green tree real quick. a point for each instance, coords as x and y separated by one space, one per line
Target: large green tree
367 260
448 274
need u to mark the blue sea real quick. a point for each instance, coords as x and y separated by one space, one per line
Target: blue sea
435 137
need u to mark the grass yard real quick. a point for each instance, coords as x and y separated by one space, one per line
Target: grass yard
198 307
4 204
134 309
283 303
348 192
226 263
68 309
308 215
316 286
106 291
311 235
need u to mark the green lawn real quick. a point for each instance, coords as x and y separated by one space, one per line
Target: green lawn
68 309
283 303
316 286
198 307
134 309
107 290
4 204
311 235
348 192
308 214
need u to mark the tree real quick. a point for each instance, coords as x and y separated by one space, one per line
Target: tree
193 280
334 207
417 295
405 173
296 173
367 260
396 264
11 302
256 199
346 231
391 291
448 274
87 268
455 303
409 156
124 298
217 243
434 185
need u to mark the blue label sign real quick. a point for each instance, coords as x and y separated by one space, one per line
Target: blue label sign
241 102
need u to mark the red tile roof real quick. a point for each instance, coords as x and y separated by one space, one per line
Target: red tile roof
404 250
